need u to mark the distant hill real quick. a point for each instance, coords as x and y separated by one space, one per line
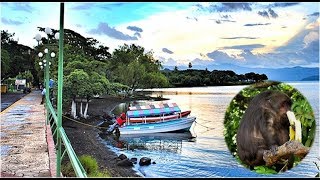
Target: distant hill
311 78
281 74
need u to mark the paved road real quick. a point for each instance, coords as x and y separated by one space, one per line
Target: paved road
7 99
25 149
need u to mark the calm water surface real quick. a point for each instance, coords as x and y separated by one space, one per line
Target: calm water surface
206 155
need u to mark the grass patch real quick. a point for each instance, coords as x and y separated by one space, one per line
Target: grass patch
89 164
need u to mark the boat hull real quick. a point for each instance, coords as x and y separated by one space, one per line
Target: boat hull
159 127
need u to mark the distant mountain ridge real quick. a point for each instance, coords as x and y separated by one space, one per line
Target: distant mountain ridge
297 73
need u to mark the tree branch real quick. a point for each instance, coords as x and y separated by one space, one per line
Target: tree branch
291 147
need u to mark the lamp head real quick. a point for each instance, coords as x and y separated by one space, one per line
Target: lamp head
38 37
48 30
57 35
40 55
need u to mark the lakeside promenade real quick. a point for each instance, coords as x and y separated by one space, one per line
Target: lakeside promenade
27 146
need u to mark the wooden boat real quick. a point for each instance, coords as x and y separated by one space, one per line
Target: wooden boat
156 119
159 118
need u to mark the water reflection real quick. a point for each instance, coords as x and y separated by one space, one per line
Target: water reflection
160 142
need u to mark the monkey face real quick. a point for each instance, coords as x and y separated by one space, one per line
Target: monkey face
285 107
280 102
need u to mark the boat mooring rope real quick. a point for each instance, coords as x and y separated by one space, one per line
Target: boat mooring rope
84 123
208 128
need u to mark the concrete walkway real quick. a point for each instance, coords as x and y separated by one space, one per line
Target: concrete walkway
27 147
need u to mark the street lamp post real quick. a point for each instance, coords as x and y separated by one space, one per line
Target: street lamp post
48 31
46 63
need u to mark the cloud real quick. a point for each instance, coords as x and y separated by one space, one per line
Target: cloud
104 28
257 24
226 16
245 47
84 6
313 25
110 5
239 38
228 21
167 51
10 22
88 6
289 57
310 53
225 7
219 21
263 14
282 4
22 7
194 18
117 4
311 37
135 28
314 14
169 62
137 34
219 56
248 59
301 50
202 62
272 13
268 14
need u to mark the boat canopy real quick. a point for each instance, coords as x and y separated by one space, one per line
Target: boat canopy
152 110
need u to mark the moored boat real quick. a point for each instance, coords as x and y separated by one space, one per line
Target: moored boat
159 118
156 119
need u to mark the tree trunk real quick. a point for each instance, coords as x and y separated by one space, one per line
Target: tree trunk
86 110
81 114
291 147
73 109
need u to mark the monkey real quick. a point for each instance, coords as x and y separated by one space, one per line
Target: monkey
264 126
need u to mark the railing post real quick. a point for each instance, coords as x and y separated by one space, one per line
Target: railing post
60 87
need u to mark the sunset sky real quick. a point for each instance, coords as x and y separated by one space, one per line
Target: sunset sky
251 34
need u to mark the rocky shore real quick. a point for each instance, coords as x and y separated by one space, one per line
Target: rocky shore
84 139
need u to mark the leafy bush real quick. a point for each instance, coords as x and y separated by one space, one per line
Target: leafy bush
301 108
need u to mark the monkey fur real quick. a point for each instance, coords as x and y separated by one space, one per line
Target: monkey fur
264 126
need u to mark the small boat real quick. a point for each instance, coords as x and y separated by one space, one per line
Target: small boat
156 119
159 118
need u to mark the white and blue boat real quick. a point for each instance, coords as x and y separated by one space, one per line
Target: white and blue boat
161 112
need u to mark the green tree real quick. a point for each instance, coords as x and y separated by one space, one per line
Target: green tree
75 85
21 58
132 66
5 62
88 79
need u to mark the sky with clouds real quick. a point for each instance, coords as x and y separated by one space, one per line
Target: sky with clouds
264 34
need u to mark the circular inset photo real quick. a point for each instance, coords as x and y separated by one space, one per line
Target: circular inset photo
269 127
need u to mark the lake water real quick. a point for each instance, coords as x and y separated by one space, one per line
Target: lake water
207 155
